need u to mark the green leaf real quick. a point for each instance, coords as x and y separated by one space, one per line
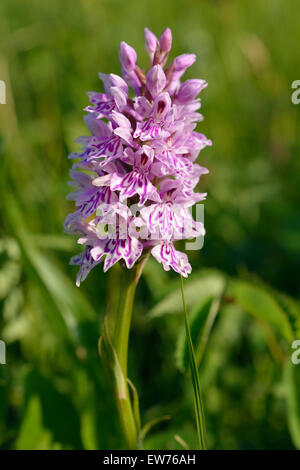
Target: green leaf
32 435
58 413
69 300
257 301
135 404
292 383
71 307
53 242
9 277
199 410
127 415
87 403
166 439
16 329
111 363
292 309
181 442
202 319
13 304
156 278
154 422
88 429
208 282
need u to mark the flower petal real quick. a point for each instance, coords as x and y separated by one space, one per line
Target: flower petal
166 254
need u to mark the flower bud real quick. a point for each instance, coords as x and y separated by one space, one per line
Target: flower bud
166 41
127 57
180 64
151 42
189 90
156 80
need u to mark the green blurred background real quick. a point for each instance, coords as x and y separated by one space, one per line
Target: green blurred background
244 290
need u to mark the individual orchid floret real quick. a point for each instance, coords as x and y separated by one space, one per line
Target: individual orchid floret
156 80
115 96
158 50
165 44
180 64
115 249
86 263
170 219
135 178
128 59
159 122
166 41
151 43
166 254
137 181
189 90
176 69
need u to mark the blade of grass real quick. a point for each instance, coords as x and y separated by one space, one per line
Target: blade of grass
199 409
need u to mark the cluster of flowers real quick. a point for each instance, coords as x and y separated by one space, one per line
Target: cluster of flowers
136 171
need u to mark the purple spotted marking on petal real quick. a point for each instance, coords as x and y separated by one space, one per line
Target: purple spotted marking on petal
166 254
102 105
106 149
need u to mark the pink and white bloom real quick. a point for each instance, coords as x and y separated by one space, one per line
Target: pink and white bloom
141 152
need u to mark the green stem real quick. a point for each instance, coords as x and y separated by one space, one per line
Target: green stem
123 318
199 408
126 417
129 422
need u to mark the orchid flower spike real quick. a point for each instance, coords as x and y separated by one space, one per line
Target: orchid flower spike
135 177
